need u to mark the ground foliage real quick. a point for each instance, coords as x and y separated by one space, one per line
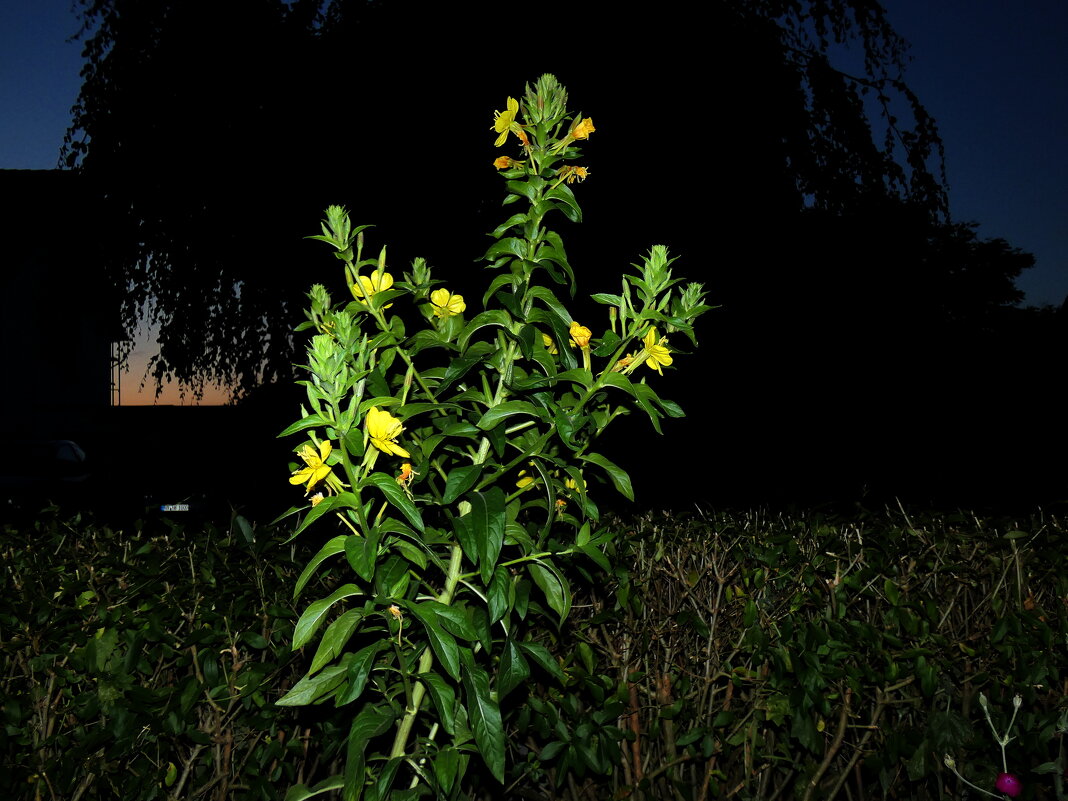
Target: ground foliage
809 656
748 655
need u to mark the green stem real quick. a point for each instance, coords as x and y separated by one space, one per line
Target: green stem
426 661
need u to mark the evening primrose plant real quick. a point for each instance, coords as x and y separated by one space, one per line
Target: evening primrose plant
449 444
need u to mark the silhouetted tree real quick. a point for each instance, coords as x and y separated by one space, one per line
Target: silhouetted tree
218 131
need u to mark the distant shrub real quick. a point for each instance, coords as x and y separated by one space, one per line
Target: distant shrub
144 664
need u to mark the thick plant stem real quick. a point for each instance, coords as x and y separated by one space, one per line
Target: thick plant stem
426 661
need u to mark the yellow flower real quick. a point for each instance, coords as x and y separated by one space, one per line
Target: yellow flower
571 484
383 428
550 346
524 480
504 121
583 129
370 284
316 469
656 351
580 335
446 304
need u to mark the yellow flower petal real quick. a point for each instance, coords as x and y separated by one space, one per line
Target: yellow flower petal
447 304
580 335
383 428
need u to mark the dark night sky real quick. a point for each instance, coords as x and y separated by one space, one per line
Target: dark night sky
992 74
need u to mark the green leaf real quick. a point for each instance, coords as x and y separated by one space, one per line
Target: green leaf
509 246
332 547
310 688
496 414
459 481
451 618
362 553
443 643
396 496
298 792
311 421
553 585
513 669
618 476
446 766
570 206
514 220
359 670
313 615
610 300
484 716
371 722
335 637
466 535
497 317
487 521
444 698
497 593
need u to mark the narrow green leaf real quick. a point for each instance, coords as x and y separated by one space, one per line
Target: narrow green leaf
311 421
310 688
332 547
313 615
335 637
503 411
570 206
487 524
443 643
444 698
359 671
451 618
396 496
513 669
485 717
618 476
299 792
497 593
496 317
544 659
553 585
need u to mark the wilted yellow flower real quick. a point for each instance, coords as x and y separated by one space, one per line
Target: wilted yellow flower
656 351
370 284
582 129
580 335
316 499
504 121
446 304
316 468
623 363
383 428
572 174
406 474
506 163
550 345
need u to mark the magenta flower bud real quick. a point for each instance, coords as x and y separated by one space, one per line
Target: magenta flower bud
1008 784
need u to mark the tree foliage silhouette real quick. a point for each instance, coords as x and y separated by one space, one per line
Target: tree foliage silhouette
216 132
